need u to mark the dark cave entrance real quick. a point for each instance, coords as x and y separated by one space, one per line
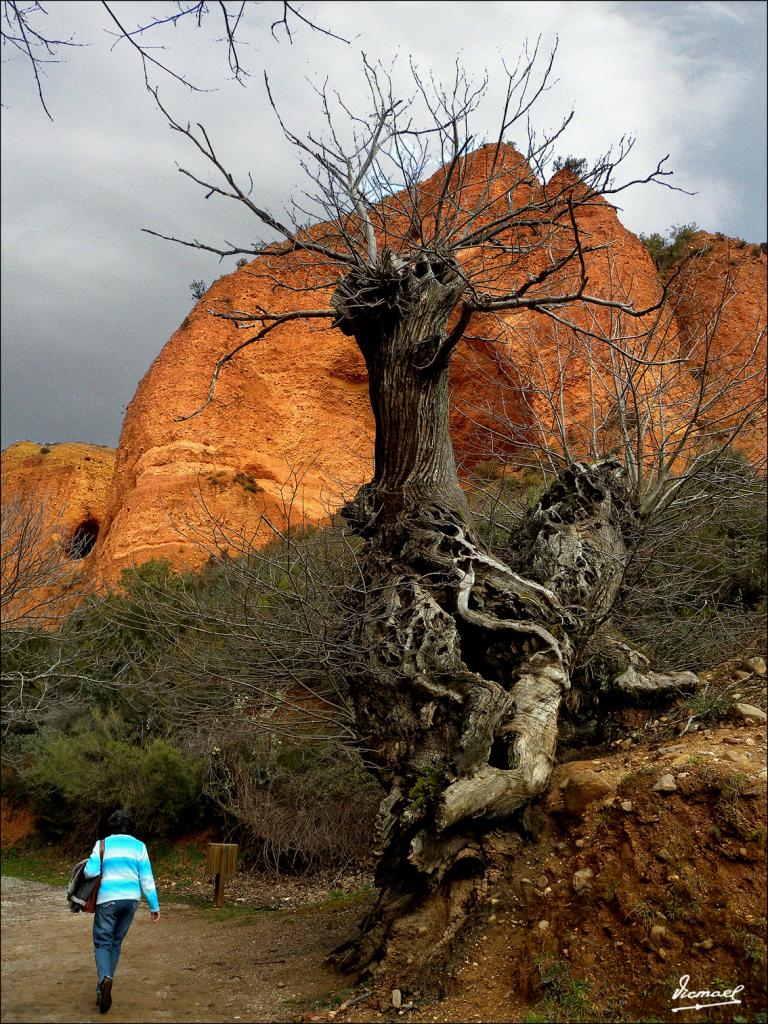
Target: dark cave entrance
83 539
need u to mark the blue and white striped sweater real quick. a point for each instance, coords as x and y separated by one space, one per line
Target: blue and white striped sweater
125 872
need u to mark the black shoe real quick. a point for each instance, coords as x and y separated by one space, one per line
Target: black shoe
105 994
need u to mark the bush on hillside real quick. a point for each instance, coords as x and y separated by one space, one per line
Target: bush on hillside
575 164
168 795
668 250
73 781
695 594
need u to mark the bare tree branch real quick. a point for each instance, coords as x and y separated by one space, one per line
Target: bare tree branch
22 28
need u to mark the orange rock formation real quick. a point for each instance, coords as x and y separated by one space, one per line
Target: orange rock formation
54 502
290 432
70 480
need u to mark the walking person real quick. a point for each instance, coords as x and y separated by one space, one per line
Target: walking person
126 873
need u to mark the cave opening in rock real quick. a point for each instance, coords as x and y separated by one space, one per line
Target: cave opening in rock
83 539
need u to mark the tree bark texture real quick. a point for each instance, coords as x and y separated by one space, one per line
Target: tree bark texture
468 661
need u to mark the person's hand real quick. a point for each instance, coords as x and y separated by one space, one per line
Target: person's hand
154 916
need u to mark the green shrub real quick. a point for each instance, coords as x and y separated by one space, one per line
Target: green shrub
696 591
248 483
575 164
172 659
74 781
167 796
71 782
667 250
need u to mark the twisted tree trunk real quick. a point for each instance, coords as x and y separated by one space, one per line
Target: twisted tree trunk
469 662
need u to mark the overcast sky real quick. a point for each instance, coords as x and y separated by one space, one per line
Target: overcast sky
88 300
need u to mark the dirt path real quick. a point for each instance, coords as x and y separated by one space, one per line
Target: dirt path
189 967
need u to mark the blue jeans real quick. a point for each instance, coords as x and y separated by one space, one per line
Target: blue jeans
110 926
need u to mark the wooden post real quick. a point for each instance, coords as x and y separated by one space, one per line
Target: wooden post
222 862
218 890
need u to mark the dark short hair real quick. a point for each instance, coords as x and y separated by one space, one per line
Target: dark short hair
121 823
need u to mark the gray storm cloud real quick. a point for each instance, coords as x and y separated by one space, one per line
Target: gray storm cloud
89 301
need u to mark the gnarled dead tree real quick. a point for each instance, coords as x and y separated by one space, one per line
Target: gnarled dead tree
468 662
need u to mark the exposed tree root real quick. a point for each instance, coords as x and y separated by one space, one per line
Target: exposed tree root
637 684
469 664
